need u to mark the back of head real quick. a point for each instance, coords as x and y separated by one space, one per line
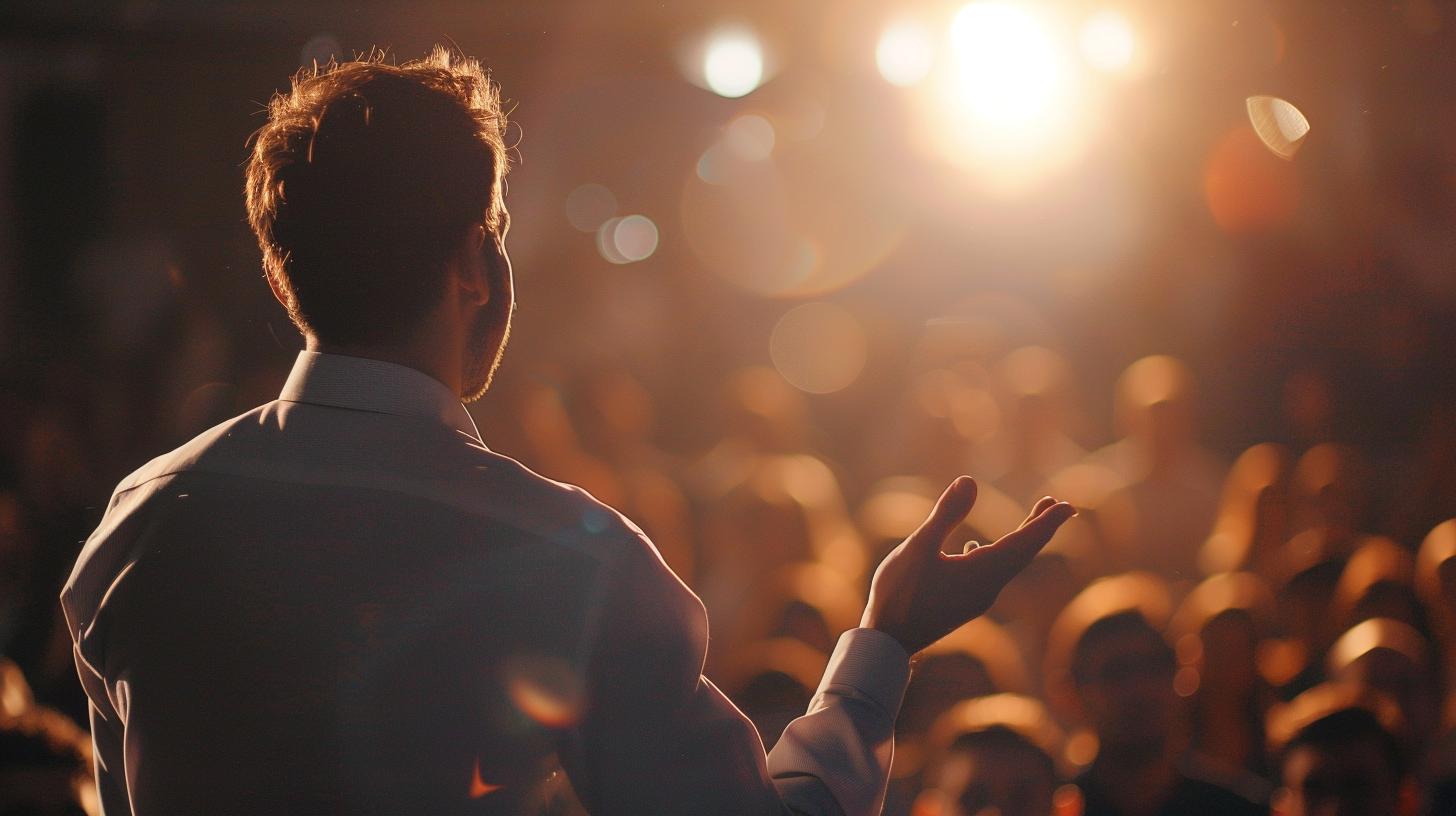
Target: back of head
362 185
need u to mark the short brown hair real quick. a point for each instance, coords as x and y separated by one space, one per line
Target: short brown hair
363 183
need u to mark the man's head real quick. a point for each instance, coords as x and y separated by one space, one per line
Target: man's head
1340 755
1108 666
993 755
377 195
1123 673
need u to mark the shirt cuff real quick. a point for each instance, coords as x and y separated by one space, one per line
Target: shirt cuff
871 663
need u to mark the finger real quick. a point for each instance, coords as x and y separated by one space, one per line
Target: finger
1015 550
1037 509
948 512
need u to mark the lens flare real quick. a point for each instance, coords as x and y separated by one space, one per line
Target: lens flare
627 239
733 63
1278 124
545 689
1108 43
1008 106
749 138
905 53
1010 72
819 347
589 205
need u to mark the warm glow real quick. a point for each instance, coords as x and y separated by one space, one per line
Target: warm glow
545 689
1010 72
479 787
1107 42
733 63
905 53
1008 107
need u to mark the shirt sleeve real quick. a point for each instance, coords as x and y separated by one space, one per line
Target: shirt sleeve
107 739
658 737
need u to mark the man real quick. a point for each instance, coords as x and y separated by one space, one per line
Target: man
1340 751
994 755
343 602
1108 643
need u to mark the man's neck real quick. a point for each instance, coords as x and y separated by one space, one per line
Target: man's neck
404 355
1138 785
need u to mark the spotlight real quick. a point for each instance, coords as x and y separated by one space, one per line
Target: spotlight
1010 72
733 63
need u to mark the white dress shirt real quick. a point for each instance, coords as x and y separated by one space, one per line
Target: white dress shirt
343 602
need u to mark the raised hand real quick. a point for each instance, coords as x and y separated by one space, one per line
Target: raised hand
920 594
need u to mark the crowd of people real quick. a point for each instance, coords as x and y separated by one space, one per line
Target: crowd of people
1202 638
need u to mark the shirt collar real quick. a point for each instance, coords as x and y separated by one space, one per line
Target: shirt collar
362 384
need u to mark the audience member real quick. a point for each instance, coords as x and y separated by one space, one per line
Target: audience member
1340 752
1394 659
1034 443
1253 514
1121 672
995 754
1216 632
1170 480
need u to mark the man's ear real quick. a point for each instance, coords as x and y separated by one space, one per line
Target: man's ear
472 273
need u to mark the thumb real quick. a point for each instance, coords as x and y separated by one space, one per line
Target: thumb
948 512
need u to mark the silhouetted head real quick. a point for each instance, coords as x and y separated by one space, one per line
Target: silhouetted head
1217 630
1155 403
993 754
1340 754
1108 666
376 192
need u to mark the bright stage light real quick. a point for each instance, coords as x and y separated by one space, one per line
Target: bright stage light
905 53
1008 107
1107 42
733 63
1010 71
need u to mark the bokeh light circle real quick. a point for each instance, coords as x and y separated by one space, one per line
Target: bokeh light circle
733 63
818 347
905 53
589 205
635 238
749 137
627 239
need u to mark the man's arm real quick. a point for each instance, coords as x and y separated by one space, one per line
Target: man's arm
658 737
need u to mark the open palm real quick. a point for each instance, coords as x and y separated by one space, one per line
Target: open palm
920 594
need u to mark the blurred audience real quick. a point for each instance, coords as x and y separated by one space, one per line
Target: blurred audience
1278 633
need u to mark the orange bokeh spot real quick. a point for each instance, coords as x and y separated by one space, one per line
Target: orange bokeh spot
546 689
1247 187
479 787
